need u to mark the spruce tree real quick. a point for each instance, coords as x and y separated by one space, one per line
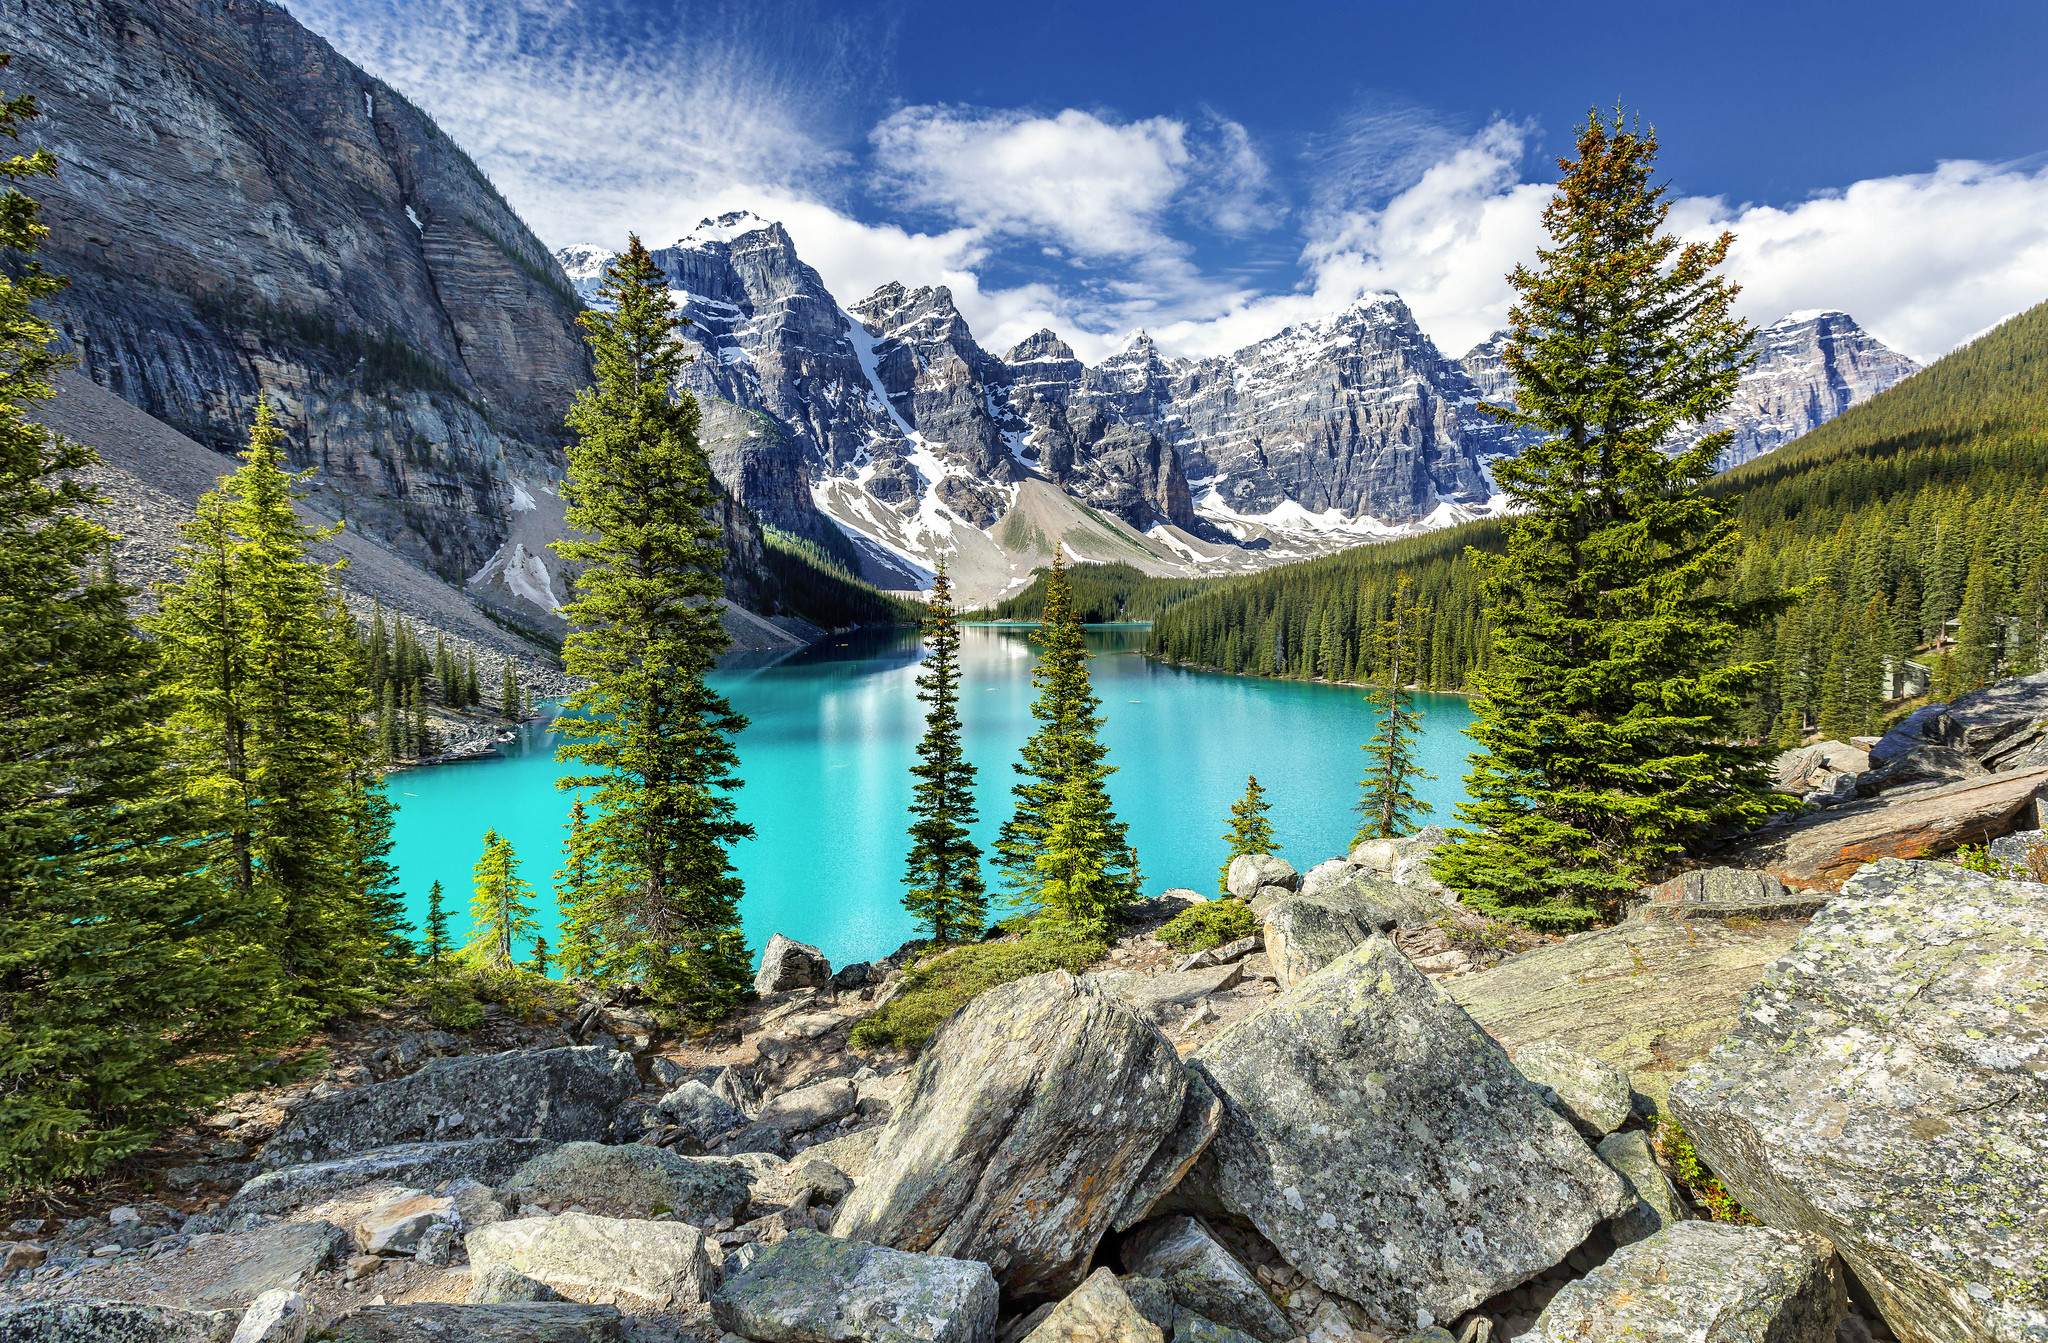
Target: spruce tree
1063 765
1387 792
645 629
472 693
1250 831
942 886
501 912
435 951
509 704
130 990
576 896
539 964
1607 716
274 739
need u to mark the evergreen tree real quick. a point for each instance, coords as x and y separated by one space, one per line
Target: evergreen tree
272 733
1250 831
1387 798
943 886
539 964
1063 765
509 702
130 990
472 693
576 896
500 913
444 671
437 946
1607 718
645 630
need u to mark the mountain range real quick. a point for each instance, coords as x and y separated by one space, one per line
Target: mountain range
244 212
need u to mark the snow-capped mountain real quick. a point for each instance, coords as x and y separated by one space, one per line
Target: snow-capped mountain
885 423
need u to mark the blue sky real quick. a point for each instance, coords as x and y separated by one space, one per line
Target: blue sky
1211 173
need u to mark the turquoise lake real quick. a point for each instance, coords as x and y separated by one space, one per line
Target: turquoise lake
826 758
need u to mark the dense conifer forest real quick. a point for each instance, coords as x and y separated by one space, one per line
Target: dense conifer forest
1915 528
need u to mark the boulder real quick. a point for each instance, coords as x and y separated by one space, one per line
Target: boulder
501 1284
1657 1205
633 1180
1404 861
1223 955
819 1181
1325 874
808 1288
1827 847
1165 998
2021 856
1150 1297
421 1165
1388 1148
476 1203
1703 1282
850 1153
1305 933
809 1107
558 1094
1204 1277
1920 766
275 1317
395 1225
111 1322
1988 725
1885 1089
1189 1327
1267 897
702 1111
1248 872
1031 1115
1201 1110
1096 1312
787 965
442 1322
1648 998
280 1257
1804 768
601 1260
850 978
1593 1095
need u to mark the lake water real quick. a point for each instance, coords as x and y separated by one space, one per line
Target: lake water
826 759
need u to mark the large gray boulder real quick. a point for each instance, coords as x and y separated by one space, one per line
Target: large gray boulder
284 1256
111 1322
1887 1087
1390 1150
601 1261
1592 1094
706 1114
441 1322
1304 934
1032 1114
425 1164
1166 998
1405 861
1804 768
1920 766
275 1317
1657 1204
563 1094
809 1107
1204 1277
1201 1111
787 965
808 1288
1096 1312
634 1180
1248 872
1703 1282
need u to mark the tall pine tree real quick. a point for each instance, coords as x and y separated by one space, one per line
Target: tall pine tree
576 895
1250 830
501 910
943 886
1387 798
1607 720
435 951
130 990
645 630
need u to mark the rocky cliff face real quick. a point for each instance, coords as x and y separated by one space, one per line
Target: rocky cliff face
244 213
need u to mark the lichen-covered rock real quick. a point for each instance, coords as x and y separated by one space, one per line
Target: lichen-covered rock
1887 1088
1201 1110
1204 1277
1030 1117
111 1322
422 1165
1704 1282
808 1288
633 1180
1166 998
1656 1205
275 1317
702 1111
1189 1327
1388 1148
809 1107
1248 872
787 965
1918 766
1404 861
1304 934
283 1256
559 1094
1827 847
501 1283
1096 1312
601 1261
1149 1297
518 1322
395 1225
1592 1094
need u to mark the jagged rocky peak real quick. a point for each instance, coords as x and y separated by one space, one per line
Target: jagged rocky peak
1489 371
584 264
1810 367
1042 367
943 385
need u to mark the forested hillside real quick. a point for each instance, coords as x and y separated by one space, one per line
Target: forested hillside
1101 594
1915 526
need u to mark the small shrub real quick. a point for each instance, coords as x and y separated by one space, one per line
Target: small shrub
452 1005
934 990
1486 941
1675 1145
1210 924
